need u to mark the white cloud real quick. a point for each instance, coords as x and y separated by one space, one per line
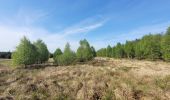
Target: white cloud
11 33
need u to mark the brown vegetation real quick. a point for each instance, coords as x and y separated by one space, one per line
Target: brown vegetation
100 79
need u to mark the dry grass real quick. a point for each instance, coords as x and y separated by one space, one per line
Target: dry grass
100 79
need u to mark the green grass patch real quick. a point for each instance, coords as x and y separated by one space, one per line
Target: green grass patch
124 68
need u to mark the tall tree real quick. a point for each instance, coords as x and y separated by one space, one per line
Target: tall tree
68 56
152 46
43 53
114 52
109 51
139 49
93 51
119 52
129 49
165 45
56 55
25 53
84 52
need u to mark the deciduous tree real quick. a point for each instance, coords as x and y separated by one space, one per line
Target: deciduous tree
25 53
43 53
165 45
84 52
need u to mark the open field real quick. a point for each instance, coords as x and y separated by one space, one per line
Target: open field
102 78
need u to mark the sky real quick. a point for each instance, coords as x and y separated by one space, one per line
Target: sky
101 22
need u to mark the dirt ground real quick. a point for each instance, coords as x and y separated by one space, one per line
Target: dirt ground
99 79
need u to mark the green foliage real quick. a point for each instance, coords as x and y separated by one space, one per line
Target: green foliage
101 52
165 45
93 51
43 53
139 50
56 55
129 49
84 52
152 46
119 51
25 53
109 51
114 52
68 56
149 47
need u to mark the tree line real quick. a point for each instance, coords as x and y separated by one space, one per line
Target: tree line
5 55
151 47
84 53
28 53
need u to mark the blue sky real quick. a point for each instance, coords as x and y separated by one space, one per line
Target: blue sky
101 22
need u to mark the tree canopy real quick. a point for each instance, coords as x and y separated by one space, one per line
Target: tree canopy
25 53
165 45
65 58
85 52
43 53
151 46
